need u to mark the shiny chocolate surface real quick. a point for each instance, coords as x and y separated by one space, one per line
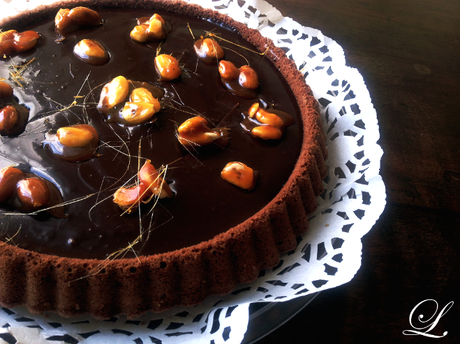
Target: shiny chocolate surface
61 90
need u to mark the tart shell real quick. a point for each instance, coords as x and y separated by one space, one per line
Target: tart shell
185 277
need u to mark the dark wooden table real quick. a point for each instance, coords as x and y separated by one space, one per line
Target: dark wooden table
408 52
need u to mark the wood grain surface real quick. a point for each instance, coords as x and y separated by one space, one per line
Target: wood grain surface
409 55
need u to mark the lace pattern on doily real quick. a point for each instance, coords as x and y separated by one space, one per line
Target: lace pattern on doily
328 255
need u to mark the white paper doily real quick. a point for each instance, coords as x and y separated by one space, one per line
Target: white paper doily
327 256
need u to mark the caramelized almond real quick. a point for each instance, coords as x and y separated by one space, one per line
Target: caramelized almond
267 132
239 175
5 90
9 176
209 50
33 193
150 30
17 42
167 67
25 41
78 135
9 117
196 131
228 70
85 17
155 29
248 78
63 23
91 51
113 93
130 198
68 21
149 176
137 113
140 33
264 116
143 95
7 42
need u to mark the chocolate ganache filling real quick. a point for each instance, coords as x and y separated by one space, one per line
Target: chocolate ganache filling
60 89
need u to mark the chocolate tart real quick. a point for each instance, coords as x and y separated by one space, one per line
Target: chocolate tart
207 238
